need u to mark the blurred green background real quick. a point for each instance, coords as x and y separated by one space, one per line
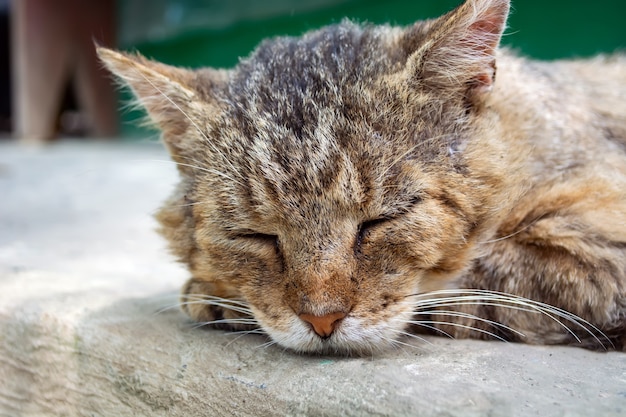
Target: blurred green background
217 33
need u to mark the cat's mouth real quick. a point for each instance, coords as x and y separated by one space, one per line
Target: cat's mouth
355 329
356 334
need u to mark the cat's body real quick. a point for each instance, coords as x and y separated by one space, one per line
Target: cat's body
341 187
563 239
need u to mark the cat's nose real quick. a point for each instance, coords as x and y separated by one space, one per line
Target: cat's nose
323 325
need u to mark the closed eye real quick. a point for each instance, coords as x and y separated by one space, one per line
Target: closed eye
366 227
259 238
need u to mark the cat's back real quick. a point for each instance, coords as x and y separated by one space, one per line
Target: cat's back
565 106
603 71
599 83
601 87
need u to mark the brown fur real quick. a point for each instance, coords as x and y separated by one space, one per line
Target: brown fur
346 174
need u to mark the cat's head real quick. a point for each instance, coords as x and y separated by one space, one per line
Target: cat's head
329 179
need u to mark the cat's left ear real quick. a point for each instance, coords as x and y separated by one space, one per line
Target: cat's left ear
458 51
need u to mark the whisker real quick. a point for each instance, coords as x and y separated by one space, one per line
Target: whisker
200 299
397 343
511 301
244 321
216 298
241 334
536 310
414 336
167 308
266 344
217 304
419 322
434 329
452 302
245 332
205 297
224 301
529 225
471 317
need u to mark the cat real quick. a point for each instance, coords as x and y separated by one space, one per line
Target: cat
343 190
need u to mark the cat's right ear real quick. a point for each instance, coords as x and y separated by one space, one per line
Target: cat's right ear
168 94
161 89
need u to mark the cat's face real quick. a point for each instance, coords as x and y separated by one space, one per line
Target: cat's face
332 229
326 181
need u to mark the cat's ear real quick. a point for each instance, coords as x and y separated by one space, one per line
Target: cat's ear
458 50
176 99
164 91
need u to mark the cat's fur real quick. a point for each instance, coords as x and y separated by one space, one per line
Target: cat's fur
330 182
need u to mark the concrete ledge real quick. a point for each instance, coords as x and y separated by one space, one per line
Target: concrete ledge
83 280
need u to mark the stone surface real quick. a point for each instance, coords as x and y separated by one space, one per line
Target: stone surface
85 329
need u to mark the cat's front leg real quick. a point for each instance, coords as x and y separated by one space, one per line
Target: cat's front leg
571 279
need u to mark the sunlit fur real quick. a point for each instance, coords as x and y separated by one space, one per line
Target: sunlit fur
414 179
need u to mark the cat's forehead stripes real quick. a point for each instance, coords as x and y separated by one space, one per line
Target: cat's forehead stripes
290 103
316 171
288 80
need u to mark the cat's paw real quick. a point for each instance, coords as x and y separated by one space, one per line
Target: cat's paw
214 305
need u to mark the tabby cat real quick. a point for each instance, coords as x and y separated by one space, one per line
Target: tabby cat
343 190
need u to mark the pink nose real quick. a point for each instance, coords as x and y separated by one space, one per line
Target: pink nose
323 325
